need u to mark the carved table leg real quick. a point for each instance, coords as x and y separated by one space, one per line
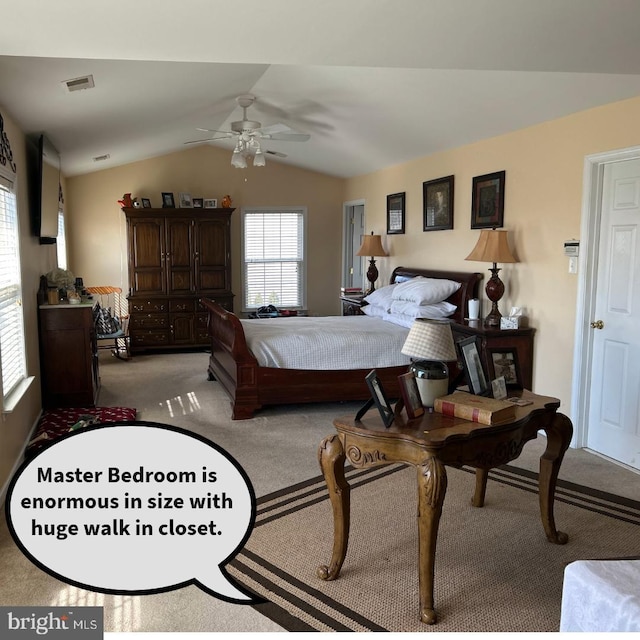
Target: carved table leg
432 486
331 457
559 433
481 488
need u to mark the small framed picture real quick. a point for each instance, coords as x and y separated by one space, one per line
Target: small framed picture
198 203
505 364
437 199
185 201
210 203
146 203
472 365
499 388
167 200
395 213
380 398
487 201
410 394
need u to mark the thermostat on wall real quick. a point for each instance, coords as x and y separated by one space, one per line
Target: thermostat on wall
572 248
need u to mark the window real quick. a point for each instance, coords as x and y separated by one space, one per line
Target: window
12 346
61 242
274 258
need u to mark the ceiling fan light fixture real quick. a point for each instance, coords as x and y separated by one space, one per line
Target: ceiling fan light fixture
238 160
258 159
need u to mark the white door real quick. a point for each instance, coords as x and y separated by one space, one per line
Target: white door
614 405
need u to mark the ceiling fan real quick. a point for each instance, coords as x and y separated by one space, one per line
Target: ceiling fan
249 133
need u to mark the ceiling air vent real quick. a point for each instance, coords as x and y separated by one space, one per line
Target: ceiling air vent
106 156
76 84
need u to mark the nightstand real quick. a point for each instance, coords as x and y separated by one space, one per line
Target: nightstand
507 352
352 305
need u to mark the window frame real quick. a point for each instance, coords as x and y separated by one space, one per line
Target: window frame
248 211
22 381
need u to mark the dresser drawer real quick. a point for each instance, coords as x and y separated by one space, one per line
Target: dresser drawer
149 321
147 306
149 338
181 306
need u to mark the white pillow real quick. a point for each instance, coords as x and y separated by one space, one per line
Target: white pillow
373 310
425 290
398 318
434 311
381 297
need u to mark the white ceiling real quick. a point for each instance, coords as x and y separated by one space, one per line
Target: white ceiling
374 82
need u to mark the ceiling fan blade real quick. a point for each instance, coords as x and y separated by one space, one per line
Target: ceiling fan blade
274 153
226 133
291 137
207 140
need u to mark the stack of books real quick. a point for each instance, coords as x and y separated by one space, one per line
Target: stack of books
351 291
475 408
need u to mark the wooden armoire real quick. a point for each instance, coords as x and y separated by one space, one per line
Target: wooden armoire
176 257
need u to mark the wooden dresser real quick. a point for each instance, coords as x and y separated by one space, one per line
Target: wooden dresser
68 356
176 257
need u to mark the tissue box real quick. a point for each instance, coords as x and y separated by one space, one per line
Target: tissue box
510 322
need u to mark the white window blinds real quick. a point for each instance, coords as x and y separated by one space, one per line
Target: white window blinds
12 349
61 242
273 258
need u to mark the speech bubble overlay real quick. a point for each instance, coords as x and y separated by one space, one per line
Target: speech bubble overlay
136 507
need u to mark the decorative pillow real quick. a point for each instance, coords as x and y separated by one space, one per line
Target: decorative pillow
106 324
434 311
425 290
373 310
381 297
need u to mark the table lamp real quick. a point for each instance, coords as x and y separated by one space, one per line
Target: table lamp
492 246
431 343
372 247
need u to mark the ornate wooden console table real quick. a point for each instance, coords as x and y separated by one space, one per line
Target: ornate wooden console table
430 443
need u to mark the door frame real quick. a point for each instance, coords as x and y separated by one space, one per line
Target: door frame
593 182
346 234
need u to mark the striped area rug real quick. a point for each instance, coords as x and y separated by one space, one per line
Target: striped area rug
495 569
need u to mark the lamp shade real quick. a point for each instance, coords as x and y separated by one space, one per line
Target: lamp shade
371 246
430 340
492 246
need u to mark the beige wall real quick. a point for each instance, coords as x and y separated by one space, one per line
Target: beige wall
36 260
97 230
543 200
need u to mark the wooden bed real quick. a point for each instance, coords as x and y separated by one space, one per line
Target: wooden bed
251 386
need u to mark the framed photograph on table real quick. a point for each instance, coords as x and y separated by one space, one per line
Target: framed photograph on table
395 213
472 365
379 398
437 200
487 201
198 203
410 395
505 363
146 203
210 203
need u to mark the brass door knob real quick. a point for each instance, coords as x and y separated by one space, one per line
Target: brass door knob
598 324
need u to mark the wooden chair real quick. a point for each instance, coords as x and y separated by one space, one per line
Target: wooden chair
111 298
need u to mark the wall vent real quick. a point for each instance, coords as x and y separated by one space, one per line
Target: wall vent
77 84
106 156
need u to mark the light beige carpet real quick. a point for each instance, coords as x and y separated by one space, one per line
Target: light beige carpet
495 570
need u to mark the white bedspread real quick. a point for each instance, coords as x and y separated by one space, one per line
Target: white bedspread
601 596
326 343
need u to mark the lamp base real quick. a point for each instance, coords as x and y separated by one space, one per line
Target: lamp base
432 379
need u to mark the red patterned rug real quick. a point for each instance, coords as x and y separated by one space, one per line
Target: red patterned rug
56 422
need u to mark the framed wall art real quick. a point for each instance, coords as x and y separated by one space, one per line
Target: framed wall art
395 213
487 201
437 200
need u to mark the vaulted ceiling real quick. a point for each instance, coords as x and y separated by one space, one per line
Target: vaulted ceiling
374 82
